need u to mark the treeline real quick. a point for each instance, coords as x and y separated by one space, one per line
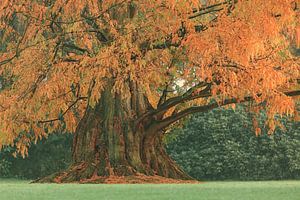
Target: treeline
218 145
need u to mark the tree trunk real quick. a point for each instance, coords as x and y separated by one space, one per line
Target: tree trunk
109 142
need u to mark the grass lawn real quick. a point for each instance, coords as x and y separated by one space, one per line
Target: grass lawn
269 190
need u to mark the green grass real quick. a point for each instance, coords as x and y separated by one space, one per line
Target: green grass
269 190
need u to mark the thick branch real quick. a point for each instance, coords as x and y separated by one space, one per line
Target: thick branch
195 109
189 95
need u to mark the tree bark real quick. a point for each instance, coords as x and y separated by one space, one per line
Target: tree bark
109 142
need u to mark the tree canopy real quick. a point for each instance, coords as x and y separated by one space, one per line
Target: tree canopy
56 56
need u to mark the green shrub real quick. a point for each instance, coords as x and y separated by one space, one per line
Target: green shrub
221 144
4 168
46 157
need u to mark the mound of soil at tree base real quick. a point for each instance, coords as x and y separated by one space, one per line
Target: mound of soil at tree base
136 179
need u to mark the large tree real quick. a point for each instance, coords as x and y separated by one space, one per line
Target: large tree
119 73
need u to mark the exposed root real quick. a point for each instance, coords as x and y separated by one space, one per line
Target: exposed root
84 173
135 179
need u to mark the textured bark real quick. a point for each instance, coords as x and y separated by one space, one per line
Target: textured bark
109 142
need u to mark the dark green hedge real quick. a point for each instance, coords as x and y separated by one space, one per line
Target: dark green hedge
46 157
222 145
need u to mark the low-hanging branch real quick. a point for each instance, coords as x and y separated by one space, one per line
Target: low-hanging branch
64 113
195 109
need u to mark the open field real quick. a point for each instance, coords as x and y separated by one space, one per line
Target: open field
269 190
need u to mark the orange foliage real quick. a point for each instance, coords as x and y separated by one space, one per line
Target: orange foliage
67 50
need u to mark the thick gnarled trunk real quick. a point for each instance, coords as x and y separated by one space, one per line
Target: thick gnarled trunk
109 141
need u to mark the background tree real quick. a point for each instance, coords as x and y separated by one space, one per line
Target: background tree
119 73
